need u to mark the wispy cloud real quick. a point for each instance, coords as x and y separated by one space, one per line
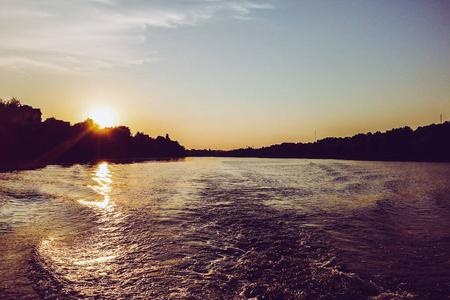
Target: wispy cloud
72 36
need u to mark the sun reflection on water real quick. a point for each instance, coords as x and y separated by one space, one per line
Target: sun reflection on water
92 254
102 176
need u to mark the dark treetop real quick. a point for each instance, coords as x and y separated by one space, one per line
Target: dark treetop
428 143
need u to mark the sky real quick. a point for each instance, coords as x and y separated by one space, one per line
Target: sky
225 74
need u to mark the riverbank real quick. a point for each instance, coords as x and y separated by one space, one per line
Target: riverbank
10 167
428 144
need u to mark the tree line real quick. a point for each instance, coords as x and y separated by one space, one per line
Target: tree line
27 141
428 143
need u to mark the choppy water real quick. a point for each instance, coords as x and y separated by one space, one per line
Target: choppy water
227 229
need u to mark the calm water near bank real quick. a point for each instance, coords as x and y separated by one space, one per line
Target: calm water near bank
227 228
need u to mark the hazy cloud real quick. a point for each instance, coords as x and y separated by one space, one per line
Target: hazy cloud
72 36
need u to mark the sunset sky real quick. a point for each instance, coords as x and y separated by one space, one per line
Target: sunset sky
227 74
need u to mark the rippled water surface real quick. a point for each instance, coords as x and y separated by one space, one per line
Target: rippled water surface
227 228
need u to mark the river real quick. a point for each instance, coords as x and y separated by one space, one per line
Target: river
226 228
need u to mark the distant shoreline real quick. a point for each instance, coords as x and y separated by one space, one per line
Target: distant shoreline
4 168
11 167
429 143
380 159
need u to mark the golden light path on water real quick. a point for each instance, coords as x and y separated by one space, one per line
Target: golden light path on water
91 254
103 179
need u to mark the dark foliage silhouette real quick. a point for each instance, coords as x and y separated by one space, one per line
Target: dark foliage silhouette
428 143
27 142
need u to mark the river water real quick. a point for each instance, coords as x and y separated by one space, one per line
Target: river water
226 228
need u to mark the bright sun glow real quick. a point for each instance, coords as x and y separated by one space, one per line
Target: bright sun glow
102 117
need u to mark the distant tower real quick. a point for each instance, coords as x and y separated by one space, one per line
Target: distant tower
441 118
315 136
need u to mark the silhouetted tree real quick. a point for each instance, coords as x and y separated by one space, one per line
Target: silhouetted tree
25 139
429 143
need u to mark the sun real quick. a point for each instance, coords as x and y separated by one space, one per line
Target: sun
103 117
